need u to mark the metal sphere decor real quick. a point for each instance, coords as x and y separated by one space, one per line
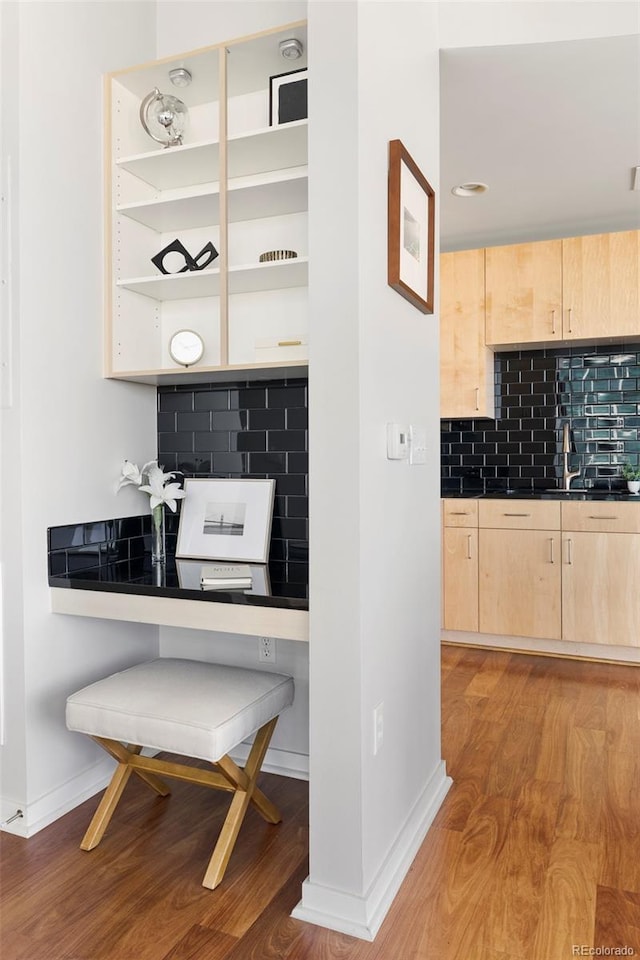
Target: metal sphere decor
163 117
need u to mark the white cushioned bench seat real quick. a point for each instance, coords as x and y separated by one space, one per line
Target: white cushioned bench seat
189 707
192 708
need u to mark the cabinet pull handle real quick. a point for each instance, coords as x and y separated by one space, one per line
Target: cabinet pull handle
459 513
593 516
551 545
569 552
569 312
289 343
516 514
477 399
553 321
469 547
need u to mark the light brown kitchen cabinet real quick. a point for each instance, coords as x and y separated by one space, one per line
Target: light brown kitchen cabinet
460 565
601 285
466 364
600 558
519 568
575 289
524 293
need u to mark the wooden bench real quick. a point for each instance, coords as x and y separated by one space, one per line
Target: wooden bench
187 707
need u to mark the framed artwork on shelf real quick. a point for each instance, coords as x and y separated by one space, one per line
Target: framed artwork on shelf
288 97
226 520
411 229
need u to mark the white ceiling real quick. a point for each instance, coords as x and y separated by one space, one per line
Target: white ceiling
552 128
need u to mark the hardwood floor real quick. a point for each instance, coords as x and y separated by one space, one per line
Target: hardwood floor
534 854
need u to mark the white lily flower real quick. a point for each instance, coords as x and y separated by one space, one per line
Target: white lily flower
163 493
130 474
158 487
156 474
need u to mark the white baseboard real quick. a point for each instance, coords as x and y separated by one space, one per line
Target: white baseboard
362 916
63 799
53 805
282 762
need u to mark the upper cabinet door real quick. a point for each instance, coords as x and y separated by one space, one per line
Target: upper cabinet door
524 293
601 285
466 365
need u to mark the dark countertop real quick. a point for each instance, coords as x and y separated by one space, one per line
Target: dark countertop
114 556
607 495
180 579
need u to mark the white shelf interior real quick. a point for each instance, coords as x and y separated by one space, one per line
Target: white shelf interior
168 167
277 194
176 286
245 278
258 151
176 213
250 198
268 148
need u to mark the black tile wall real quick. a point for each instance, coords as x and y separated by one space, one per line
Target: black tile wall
597 389
247 429
85 546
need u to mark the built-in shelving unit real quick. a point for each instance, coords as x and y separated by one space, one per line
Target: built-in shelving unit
235 182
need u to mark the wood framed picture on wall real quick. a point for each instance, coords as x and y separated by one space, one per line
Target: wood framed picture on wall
411 229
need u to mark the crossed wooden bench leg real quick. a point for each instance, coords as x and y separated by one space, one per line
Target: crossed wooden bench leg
232 778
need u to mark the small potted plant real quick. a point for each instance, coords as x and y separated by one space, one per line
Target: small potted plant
631 474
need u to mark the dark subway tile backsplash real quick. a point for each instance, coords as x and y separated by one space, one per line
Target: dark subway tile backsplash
246 430
596 389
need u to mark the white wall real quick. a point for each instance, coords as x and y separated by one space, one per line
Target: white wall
188 24
374 524
475 23
69 430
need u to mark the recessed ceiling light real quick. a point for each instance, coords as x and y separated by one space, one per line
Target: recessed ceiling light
472 189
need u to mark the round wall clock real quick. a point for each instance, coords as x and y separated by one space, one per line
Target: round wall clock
186 347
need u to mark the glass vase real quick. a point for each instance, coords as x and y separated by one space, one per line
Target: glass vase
158 547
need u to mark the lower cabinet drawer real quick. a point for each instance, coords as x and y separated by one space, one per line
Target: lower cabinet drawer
460 513
519 514
601 516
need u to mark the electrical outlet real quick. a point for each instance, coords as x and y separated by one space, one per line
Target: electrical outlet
266 650
378 727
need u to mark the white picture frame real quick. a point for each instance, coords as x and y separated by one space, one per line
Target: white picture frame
226 520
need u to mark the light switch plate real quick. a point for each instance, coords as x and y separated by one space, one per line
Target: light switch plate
417 444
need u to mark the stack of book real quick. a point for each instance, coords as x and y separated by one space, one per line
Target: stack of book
226 576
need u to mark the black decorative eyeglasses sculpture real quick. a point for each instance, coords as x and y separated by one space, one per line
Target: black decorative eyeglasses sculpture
199 262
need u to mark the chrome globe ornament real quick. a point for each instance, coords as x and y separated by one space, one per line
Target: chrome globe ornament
164 118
